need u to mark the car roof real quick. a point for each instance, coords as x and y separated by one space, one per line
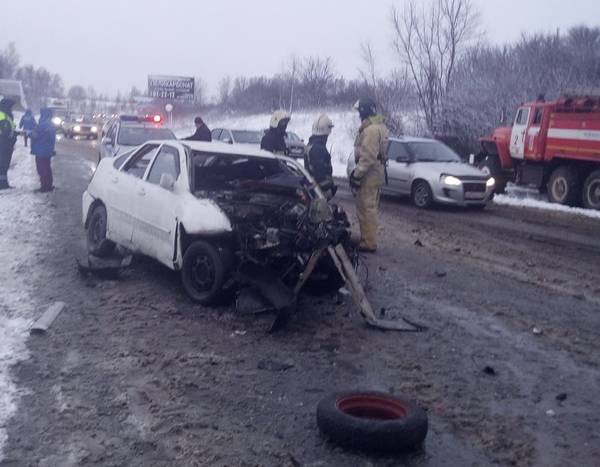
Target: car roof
220 148
411 139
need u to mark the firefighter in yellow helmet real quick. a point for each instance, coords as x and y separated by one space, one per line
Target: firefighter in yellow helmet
368 177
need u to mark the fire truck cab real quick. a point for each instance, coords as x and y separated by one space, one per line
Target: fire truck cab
554 146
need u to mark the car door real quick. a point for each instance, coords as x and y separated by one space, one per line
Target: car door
155 225
517 138
107 145
398 168
122 191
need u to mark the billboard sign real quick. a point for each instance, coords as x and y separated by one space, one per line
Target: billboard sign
176 88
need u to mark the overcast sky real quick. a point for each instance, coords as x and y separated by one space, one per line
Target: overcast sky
113 44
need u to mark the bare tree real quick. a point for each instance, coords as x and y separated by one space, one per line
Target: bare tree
9 61
224 91
317 75
429 40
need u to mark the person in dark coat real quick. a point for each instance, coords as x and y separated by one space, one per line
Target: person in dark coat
43 141
27 124
202 132
317 159
274 138
8 138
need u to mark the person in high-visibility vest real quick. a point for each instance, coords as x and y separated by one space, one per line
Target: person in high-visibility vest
8 138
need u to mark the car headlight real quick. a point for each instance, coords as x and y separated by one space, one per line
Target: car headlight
94 129
450 180
57 121
490 182
76 128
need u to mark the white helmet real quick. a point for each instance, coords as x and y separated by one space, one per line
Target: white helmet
279 116
322 126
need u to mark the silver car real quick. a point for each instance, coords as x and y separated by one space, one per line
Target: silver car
430 172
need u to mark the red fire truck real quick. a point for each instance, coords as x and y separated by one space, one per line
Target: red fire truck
554 146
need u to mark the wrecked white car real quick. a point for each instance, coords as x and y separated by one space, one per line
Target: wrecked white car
224 216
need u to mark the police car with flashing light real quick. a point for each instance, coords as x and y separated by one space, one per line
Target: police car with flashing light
126 132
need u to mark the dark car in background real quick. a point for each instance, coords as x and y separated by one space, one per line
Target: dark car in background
295 145
81 126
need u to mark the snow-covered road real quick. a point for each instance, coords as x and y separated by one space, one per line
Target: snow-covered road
23 216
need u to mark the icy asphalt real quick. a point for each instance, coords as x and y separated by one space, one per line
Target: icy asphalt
132 373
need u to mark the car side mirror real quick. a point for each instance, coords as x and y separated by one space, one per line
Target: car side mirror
108 141
403 160
167 182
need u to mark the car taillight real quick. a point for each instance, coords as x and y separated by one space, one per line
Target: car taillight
156 118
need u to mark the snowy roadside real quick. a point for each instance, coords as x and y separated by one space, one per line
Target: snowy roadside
23 217
519 202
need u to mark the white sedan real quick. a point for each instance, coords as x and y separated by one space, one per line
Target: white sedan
215 212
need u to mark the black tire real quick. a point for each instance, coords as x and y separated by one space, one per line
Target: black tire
97 243
491 166
372 421
591 191
203 272
564 186
421 195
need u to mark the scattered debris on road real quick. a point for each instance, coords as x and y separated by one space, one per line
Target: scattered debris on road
42 325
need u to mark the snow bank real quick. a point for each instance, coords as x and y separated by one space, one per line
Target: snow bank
23 219
341 141
508 200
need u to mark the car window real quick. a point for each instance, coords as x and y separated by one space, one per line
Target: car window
215 134
398 152
246 136
119 161
134 136
225 136
112 133
166 162
537 118
293 136
522 116
139 163
431 151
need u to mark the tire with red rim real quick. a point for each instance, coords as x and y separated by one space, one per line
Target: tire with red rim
372 421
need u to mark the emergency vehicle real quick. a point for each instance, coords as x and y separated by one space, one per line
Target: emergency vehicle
553 146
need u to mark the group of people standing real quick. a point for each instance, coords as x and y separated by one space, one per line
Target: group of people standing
43 140
366 179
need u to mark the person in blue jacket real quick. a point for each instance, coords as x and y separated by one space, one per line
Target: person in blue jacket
43 140
27 124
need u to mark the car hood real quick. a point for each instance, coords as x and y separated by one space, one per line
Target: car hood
458 169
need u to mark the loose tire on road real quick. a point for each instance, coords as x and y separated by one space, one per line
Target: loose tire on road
97 243
372 421
591 191
203 272
564 186
421 195
491 166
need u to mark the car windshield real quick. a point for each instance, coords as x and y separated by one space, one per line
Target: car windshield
246 136
293 136
134 136
432 151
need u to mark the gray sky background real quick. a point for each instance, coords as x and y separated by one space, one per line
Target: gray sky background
113 44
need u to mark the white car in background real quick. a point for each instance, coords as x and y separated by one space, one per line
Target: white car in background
430 172
123 133
216 212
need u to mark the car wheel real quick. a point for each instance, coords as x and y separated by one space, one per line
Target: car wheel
372 421
491 167
421 196
591 191
563 186
97 243
203 272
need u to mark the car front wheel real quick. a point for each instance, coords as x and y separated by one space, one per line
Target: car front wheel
422 197
97 243
591 191
203 272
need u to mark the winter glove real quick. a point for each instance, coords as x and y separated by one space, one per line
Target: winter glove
354 183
